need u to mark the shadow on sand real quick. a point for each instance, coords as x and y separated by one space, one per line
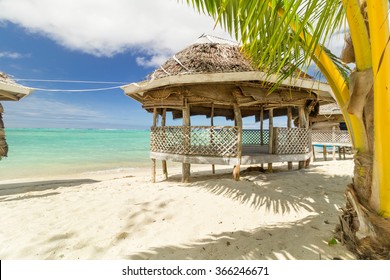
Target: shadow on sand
302 239
38 186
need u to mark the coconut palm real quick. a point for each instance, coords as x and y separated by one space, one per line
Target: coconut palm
290 34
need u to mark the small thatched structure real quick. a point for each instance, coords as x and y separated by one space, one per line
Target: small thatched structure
9 91
328 116
213 78
329 129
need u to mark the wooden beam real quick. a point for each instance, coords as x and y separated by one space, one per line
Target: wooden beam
164 162
238 123
271 136
186 167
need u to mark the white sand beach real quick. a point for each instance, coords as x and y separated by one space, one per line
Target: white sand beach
106 215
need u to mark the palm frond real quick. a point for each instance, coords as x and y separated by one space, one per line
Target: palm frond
275 33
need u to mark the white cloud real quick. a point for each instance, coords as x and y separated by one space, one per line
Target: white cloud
13 55
107 27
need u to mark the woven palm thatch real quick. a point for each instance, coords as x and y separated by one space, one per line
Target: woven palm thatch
204 58
210 55
6 79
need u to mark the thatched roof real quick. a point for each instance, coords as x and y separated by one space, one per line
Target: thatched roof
204 58
10 90
330 109
209 56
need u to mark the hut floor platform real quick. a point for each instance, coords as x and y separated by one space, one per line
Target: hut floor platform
250 155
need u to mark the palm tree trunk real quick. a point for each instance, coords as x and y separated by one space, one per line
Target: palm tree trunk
365 226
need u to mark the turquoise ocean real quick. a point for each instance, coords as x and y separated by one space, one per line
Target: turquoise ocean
51 152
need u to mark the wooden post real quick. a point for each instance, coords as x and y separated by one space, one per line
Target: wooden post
262 129
164 162
186 167
154 160
271 136
238 123
212 125
324 151
262 126
314 152
302 124
289 125
339 150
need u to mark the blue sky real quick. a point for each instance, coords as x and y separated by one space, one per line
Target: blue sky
90 40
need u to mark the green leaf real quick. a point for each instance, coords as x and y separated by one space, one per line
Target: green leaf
333 241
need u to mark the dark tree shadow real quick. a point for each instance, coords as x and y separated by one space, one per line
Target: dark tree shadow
38 186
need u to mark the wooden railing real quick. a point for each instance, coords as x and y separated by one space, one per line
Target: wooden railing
222 141
331 137
291 141
219 141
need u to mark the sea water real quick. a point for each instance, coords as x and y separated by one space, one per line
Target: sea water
50 152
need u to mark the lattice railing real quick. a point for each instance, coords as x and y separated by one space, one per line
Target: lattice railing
253 137
337 137
195 140
291 140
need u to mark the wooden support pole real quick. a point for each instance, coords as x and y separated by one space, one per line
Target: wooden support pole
302 124
324 151
154 160
314 152
164 162
262 126
238 123
262 129
339 151
212 139
186 167
271 136
289 125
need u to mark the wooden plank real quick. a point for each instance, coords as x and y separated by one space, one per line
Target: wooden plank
246 159
235 77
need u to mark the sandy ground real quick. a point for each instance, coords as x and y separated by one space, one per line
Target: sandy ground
280 215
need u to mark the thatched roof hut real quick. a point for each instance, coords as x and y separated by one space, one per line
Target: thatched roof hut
9 91
214 78
329 115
